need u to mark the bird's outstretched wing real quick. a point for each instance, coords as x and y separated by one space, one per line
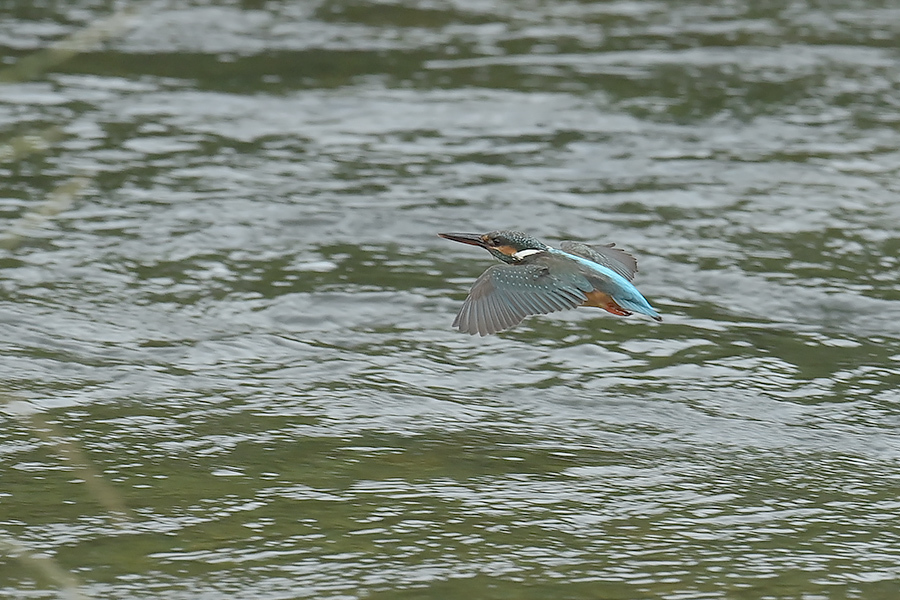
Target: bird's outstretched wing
609 256
506 294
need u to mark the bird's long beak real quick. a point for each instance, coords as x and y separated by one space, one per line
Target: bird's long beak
473 239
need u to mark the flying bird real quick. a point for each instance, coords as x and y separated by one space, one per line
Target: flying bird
538 279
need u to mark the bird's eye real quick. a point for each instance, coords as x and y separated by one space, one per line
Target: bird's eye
494 241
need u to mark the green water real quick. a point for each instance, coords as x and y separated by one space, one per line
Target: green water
228 366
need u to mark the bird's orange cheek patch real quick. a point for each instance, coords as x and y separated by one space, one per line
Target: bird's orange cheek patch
507 250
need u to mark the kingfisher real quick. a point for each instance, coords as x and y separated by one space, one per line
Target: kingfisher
538 279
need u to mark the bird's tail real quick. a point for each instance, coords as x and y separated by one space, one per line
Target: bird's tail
638 305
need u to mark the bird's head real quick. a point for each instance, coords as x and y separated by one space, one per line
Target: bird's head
504 245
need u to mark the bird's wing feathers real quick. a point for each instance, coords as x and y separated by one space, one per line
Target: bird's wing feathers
609 256
506 294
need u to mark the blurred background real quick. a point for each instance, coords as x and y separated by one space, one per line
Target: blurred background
227 363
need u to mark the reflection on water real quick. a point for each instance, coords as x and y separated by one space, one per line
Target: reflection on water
243 323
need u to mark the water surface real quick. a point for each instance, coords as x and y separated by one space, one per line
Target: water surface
240 325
